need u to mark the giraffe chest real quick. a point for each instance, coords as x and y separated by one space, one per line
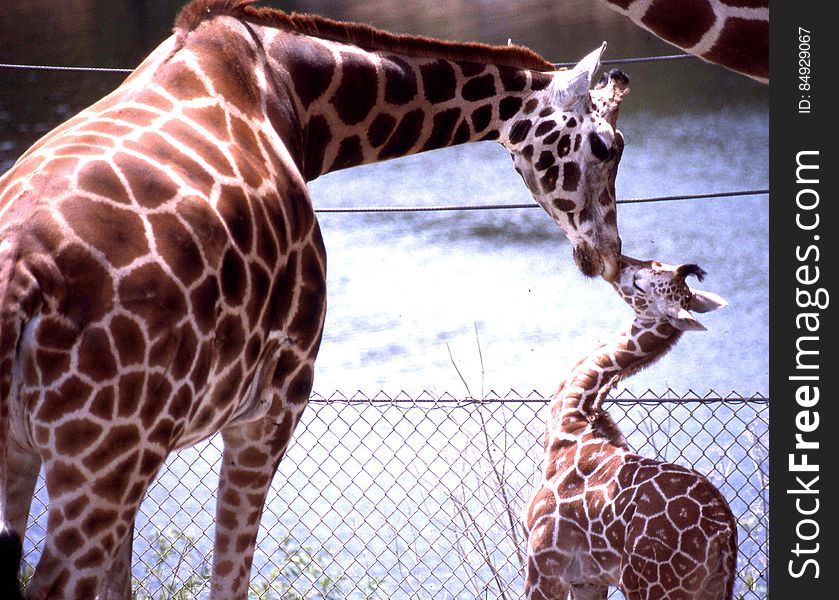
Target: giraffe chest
574 511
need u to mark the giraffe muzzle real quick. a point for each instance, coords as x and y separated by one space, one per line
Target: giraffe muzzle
593 263
611 268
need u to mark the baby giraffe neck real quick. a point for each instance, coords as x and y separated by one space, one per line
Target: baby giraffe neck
578 399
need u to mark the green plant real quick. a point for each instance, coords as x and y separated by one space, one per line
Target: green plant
173 546
299 568
480 539
26 573
749 580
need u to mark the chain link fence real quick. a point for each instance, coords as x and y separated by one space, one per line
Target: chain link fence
419 497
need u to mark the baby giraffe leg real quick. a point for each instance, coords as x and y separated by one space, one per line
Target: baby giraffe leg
589 591
547 588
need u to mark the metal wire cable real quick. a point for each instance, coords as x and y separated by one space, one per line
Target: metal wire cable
468 207
638 59
459 207
62 68
613 61
625 397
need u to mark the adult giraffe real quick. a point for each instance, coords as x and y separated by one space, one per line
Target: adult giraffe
731 33
162 273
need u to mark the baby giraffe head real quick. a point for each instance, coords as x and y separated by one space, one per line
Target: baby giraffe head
658 293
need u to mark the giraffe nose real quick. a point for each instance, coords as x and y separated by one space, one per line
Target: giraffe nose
612 262
611 267
593 262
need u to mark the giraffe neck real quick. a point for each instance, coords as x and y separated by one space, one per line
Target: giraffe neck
732 34
359 106
336 104
576 404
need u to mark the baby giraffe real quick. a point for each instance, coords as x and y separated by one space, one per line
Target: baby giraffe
603 515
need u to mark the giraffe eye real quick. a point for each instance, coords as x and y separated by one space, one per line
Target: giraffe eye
637 286
599 148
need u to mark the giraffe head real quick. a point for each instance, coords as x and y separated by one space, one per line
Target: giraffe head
567 150
658 293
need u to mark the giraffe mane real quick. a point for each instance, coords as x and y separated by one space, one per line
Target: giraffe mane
359 34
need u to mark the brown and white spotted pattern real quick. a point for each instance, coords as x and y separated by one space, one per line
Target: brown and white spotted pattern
603 515
162 274
731 33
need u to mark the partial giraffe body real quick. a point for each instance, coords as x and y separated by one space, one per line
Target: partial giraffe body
603 516
162 273
731 33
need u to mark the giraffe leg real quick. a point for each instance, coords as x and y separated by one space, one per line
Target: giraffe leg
589 592
548 588
89 524
542 586
252 453
76 552
117 583
721 563
24 465
635 586
19 490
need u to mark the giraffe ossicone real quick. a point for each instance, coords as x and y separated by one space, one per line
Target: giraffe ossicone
162 272
604 516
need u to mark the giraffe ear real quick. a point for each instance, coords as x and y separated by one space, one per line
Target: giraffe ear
703 302
569 87
685 321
